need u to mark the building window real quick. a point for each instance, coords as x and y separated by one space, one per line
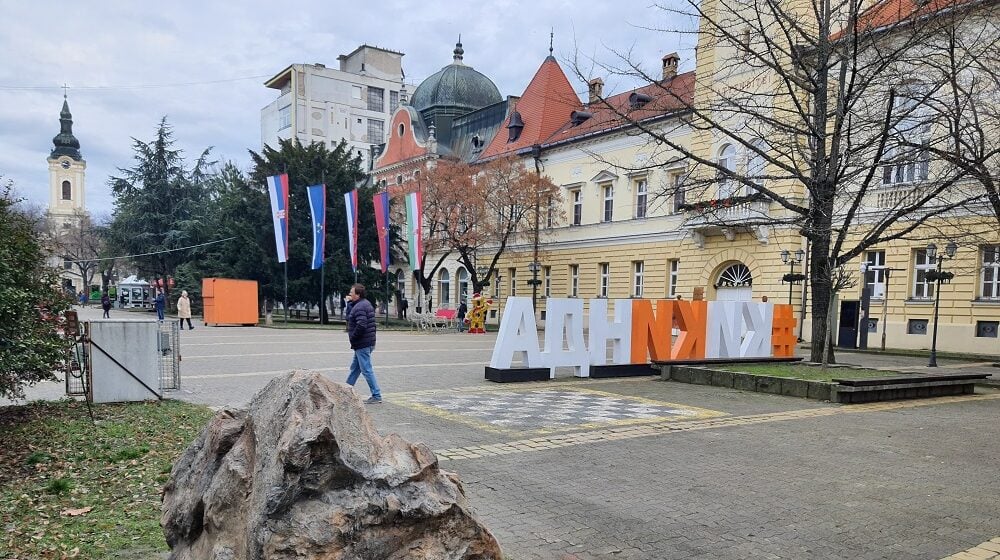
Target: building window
609 202
574 280
577 207
756 165
284 117
727 161
496 285
375 131
672 266
676 184
463 285
641 197
922 287
512 278
67 264
393 101
605 272
549 213
638 268
376 99
356 92
908 164
904 166
547 276
987 329
875 275
444 288
67 191
990 286
916 326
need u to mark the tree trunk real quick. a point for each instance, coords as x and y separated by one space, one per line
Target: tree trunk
821 281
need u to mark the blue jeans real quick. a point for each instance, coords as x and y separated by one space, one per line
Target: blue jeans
159 313
362 365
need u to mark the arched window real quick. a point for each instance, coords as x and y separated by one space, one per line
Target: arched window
463 285
904 162
756 165
727 160
67 191
444 288
735 276
401 282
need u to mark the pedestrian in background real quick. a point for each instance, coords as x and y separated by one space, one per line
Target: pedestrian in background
160 303
184 310
463 310
361 332
106 305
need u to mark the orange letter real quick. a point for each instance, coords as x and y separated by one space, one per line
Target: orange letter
651 333
691 320
783 339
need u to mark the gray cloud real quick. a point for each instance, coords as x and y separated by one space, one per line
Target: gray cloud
124 62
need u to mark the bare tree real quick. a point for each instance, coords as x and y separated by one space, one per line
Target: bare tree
796 108
80 243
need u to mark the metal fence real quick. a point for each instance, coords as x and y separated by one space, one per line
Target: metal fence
170 356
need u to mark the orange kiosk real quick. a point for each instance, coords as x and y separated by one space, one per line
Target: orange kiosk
230 302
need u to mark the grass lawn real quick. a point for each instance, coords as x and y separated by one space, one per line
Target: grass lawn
809 373
70 488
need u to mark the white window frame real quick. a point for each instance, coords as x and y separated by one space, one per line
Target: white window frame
727 160
921 265
875 273
672 266
574 280
512 279
756 165
608 210
641 198
444 288
675 180
577 213
604 270
547 275
285 117
990 255
638 273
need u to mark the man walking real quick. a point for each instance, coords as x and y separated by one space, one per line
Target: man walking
361 332
160 303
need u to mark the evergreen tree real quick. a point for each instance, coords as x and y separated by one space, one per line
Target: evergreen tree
159 206
31 348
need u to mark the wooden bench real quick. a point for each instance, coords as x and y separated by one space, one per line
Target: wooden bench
909 386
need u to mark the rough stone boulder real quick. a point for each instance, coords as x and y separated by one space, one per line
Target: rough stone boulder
303 474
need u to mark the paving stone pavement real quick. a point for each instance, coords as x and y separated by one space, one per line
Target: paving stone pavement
643 469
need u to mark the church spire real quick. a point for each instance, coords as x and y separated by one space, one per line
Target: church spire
65 143
459 51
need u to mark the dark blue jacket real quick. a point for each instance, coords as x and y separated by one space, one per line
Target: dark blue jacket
160 301
361 324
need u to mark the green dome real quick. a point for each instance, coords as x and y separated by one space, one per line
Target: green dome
457 87
65 144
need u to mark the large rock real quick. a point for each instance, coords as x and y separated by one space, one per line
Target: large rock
303 474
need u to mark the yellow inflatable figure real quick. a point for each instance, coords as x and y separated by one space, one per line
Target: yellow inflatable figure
477 315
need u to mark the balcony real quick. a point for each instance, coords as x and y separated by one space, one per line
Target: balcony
896 196
728 216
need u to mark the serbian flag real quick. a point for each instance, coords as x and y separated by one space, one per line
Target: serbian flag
317 206
277 189
381 202
414 227
351 201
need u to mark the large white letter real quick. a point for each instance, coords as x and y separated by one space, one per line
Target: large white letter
565 315
757 340
619 332
518 333
724 326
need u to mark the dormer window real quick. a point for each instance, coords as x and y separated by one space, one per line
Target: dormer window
476 142
515 127
577 118
637 100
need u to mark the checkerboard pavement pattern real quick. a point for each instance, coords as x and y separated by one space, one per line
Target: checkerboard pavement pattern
547 410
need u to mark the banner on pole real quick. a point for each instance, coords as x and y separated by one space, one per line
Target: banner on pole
317 207
351 202
414 228
277 189
381 202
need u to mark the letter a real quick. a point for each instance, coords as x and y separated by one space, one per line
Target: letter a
518 333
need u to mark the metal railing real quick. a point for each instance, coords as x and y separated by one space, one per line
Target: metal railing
169 347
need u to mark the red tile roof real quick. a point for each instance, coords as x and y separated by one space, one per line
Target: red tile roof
616 111
545 107
889 12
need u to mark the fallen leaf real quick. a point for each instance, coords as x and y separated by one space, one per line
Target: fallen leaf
75 512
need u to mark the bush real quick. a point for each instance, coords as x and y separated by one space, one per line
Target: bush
31 347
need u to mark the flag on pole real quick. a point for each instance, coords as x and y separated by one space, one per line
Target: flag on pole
351 201
317 206
414 229
277 189
381 202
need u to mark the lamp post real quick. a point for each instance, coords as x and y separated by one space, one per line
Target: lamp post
937 276
534 267
791 260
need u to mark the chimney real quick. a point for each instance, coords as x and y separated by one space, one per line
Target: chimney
595 88
670 63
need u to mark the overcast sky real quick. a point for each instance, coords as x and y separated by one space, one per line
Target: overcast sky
203 64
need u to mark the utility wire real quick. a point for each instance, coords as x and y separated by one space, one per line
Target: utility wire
154 252
137 86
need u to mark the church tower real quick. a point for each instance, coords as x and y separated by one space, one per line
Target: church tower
66 171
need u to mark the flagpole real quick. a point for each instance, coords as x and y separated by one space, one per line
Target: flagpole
322 263
288 214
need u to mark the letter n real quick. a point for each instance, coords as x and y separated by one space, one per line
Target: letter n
651 333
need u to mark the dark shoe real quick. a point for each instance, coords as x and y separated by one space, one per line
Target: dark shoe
373 400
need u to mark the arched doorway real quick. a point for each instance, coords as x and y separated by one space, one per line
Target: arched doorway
734 283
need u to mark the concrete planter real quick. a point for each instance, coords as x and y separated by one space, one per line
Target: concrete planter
749 382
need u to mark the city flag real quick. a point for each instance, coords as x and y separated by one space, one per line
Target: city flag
381 202
351 201
317 206
414 227
277 189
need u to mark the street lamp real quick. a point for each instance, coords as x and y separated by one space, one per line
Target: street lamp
937 276
481 275
792 278
534 267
